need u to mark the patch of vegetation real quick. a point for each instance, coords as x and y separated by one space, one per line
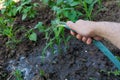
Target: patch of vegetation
115 72
64 10
42 72
18 75
32 35
73 9
12 10
25 8
55 35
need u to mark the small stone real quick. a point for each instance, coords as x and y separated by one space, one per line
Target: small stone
86 51
54 62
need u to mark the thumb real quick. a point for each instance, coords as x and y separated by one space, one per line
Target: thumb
71 25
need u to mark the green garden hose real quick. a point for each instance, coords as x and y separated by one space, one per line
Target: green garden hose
103 49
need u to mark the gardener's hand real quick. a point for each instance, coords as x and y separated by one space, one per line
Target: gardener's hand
85 30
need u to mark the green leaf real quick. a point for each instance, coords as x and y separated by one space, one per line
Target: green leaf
66 13
3 11
56 8
19 8
45 1
40 27
33 37
74 3
59 1
89 1
18 75
69 1
42 72
35 4
24 16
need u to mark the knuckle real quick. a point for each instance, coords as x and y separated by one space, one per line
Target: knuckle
79 21
69 23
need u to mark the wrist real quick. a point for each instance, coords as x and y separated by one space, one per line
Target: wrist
99 28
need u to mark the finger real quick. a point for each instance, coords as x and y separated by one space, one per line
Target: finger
89 41
98 38
84 39
78 36
71 25
73 33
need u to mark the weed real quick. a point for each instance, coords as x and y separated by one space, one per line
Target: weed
115 72
18 75
42 72
118 57
88 6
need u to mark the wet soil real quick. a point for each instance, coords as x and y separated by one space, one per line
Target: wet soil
79 62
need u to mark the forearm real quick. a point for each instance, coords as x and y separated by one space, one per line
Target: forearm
109 31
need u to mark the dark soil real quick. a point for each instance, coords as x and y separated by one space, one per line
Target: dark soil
79 62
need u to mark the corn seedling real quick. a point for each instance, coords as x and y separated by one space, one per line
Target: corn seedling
55 35
88 6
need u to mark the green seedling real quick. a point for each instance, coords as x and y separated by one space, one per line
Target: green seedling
9 14
65 10
55 35
100 3
42 72
116 73
18 75
7 30
73 9
31 33
88 6
118 58
25 7
33 36
91 78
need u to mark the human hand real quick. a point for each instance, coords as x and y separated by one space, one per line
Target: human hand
84 30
